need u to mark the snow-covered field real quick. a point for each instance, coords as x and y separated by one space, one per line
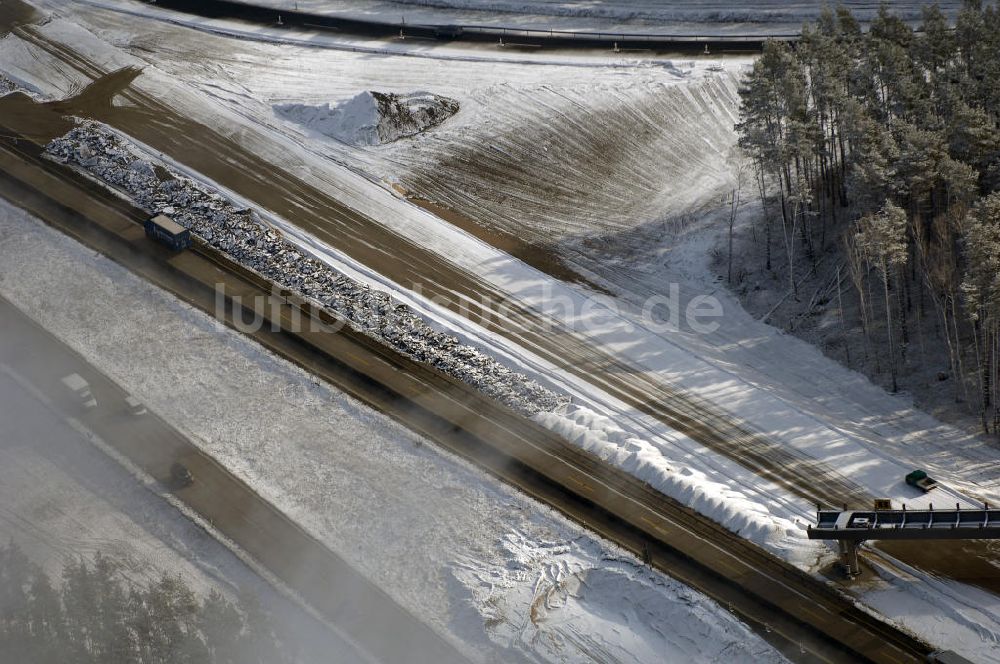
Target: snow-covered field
667 248
576 145
489 569
779 386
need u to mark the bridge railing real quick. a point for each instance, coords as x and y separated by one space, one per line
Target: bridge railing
957 523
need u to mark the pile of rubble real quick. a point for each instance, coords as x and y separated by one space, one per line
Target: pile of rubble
372 118
7 85
240 234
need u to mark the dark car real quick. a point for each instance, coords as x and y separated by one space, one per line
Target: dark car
180 476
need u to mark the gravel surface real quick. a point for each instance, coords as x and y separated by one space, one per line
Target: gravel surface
246 239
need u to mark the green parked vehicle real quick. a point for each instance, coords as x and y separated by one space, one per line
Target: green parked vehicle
921 480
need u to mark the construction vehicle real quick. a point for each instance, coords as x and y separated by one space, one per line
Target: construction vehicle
166 231
921 480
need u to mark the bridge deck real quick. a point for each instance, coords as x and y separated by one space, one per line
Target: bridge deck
906 524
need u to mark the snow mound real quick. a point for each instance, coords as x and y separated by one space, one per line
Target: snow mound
372 118
737 512
548 601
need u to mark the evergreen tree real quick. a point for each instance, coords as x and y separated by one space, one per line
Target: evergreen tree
97 617
982 289
887 135
881 236
222 625
15 578
46 622
937 48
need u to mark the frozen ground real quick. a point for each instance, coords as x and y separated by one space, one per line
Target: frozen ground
815 316
783 388
576 145
486 567
642 16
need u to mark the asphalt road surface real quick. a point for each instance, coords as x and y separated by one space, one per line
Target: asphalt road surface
345 598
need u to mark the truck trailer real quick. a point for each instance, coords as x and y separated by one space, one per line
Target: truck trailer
166 231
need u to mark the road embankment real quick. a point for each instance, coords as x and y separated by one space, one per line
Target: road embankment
512 36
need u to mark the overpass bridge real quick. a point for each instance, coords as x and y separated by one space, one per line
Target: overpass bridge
851 527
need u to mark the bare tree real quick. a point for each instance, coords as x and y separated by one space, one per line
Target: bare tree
739 168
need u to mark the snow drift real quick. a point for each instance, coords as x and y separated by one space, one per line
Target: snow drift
372 118
739 513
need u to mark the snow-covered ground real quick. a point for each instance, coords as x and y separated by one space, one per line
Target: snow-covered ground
780 387
372 118
489 569
577 144
62 498
741 354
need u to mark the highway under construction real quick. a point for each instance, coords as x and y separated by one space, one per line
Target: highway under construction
804 616
222 159
807 618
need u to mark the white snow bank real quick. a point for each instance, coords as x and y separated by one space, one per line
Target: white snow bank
739 513
372 118
549 599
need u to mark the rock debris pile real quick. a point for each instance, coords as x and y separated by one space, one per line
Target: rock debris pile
7 85
240 234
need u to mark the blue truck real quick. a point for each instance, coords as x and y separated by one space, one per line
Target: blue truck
166 231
